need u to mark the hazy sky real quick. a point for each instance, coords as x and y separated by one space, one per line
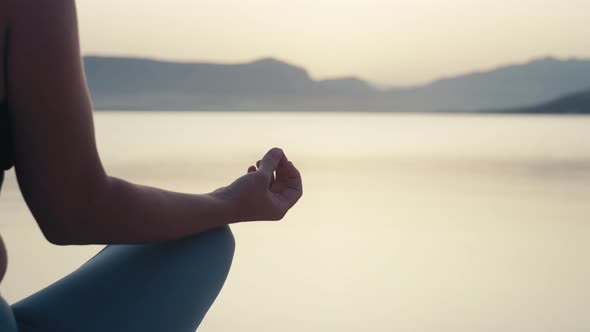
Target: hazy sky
385 41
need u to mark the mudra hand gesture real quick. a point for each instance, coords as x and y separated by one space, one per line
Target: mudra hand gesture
267 191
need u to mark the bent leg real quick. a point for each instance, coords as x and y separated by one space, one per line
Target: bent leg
7 322
135 288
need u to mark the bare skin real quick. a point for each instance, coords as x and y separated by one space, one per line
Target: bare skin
58 169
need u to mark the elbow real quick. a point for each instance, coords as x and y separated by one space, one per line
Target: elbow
64 225
71 220
62 235
58 240
59 224
67 237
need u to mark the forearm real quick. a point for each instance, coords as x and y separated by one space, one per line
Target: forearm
122 212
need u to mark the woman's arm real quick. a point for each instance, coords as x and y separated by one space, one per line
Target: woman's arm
58 168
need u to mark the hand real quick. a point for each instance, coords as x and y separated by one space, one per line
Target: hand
267 191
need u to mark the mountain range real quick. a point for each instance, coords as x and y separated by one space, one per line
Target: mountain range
577 103
271 84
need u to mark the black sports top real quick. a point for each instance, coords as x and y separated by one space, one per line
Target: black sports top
5 139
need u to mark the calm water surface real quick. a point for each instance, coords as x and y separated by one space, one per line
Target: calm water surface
408 223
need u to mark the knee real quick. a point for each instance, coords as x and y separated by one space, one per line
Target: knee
217 246
222 242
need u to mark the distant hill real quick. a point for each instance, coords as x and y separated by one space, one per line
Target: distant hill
266 84
577 103
510 86
270 84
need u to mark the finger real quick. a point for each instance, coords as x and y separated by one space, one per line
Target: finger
289 197
291 190
294 178
251 169
270 161
282 172
258 164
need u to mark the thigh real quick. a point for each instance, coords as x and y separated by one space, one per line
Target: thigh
153 287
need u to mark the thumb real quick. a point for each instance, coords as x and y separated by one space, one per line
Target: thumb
270 161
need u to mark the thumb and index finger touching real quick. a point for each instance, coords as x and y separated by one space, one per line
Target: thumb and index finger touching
270 161
276 160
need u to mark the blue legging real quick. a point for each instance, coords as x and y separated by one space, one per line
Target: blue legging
133 288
